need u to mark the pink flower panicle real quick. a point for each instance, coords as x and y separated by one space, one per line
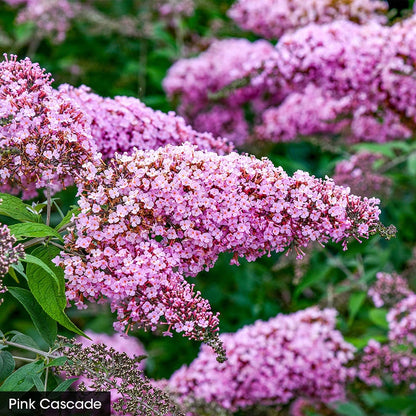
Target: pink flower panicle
272 18
388 290
51 17
340 78
9 254
44 138
402 321
196 80
356 69
154 216
123 123
381 361
271 363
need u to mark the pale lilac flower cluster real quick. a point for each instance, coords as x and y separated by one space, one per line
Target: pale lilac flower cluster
358 172
51 17
8 254
402 321
338 78
195 80
362 67
124 123
174 8
271 363
150 217
44 137
272 18
379 361
388 290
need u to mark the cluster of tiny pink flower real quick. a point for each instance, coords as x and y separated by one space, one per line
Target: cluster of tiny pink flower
44 137
340 77
271 363
381 360
175 8
388 290
358 172
195 80
51 17
272 18
123 123
8 254
151 217
402 321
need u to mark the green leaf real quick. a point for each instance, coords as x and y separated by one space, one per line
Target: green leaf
49 290
13 207
21 231
67 219
13 274
354 305
46 326
23 339
57 362
38 262
6 364
314 275
349 409
38 382
21 379
65 384
411 164
378 317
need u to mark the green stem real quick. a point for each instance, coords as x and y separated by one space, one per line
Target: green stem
27 348
49 205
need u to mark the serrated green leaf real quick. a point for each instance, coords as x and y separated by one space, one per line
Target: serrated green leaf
50 291
6 364
46 326
21 379
378 317
64 386
14 207
68 216
355 302
23 230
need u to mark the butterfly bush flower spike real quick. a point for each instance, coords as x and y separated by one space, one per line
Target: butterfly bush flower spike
44 137
153 217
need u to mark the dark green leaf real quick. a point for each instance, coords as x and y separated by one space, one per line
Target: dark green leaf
354 305
49 290
13 207
411 164
21 231
46 326
6 364
21 379
64 386
38 383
